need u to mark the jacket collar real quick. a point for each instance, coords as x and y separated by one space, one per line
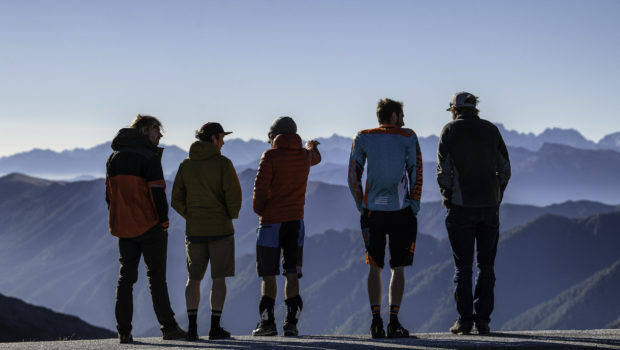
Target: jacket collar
287 141
467 115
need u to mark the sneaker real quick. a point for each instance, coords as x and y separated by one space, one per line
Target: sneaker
460 329
290 329
192 336
376 329
218 333
396 330
176 333
265 329
482 327
125 338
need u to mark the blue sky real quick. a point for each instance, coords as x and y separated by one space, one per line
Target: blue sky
73 72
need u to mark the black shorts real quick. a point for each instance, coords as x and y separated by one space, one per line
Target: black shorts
273 240
401 226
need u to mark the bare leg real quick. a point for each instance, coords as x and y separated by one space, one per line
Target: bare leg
397 285
192 294
374 285
269 287
291 287
218 294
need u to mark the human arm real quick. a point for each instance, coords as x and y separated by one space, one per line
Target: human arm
157 186
503 166
357 159
445 176
262 183
232 190
179 194
414 170
313 150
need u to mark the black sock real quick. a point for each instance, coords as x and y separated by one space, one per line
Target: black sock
376 312
192 314
215 318
293 308
265 308
394 313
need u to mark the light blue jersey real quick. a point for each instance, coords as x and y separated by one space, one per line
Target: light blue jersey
394 175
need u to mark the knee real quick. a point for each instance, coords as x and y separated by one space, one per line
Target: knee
127 277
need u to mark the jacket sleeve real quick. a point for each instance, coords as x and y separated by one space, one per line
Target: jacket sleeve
315 155
157 186
179 194
232 190
445 176
503 166
262 182
357 160
414 170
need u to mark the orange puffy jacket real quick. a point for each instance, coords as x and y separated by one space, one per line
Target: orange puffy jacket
280 185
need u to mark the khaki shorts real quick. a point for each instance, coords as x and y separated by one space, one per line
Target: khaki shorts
221 253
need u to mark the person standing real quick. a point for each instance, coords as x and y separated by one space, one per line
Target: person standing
473 170
388 205
136 197
279 197
207 193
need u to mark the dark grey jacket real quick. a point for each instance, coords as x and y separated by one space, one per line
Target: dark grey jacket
473 167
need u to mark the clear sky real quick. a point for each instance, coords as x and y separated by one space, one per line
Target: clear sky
73 72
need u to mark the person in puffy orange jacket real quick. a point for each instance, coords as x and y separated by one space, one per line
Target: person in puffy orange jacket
279 198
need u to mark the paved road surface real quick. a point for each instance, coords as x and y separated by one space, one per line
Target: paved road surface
588 339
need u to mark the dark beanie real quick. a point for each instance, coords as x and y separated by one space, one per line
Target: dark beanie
282 125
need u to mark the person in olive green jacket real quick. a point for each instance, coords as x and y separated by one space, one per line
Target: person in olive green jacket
207 194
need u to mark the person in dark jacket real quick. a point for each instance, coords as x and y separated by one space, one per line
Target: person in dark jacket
279 197
473 170
136 197
207 194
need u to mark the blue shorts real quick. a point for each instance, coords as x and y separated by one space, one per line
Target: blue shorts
285 239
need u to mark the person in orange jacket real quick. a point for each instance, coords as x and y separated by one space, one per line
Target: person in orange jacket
279 198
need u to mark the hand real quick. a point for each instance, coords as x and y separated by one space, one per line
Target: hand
312 143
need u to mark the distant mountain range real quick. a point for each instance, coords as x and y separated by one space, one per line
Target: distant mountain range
20 321
78 162
56 251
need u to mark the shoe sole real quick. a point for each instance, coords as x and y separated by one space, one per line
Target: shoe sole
270 334
218 338
291 334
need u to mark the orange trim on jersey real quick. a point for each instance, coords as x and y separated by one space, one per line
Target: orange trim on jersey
412 248
389 130
370 260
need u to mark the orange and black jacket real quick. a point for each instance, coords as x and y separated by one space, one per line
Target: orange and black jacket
135 185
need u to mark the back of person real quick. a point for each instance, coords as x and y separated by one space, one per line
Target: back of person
208 196
131 170
474 152
386 150
282 178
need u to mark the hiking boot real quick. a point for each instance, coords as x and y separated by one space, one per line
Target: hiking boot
192 336
396 330
218 333
265 329
176 333
459 328
290 329
125 338
482 327
376 329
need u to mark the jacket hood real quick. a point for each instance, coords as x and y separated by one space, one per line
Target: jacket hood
287 141
202 150
127 137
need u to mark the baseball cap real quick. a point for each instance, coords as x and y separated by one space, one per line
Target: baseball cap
463 99
212 129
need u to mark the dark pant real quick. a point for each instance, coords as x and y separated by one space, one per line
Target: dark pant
466 227
153 245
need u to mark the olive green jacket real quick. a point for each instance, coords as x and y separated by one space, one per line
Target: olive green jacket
207 192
